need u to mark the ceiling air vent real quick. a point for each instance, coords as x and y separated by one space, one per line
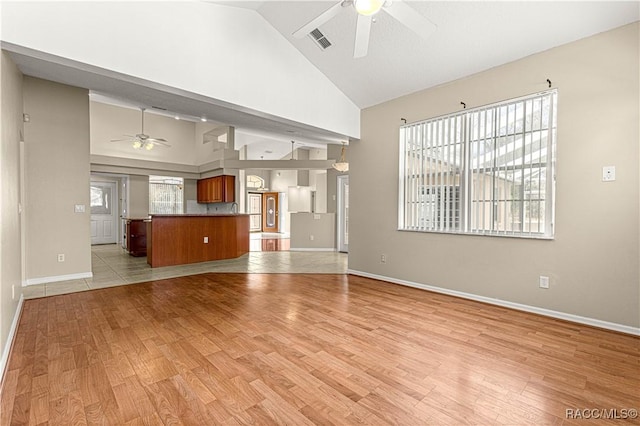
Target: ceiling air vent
322 41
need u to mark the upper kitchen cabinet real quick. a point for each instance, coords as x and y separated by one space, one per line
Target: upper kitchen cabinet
218 189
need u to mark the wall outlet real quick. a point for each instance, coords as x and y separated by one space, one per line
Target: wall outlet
206 240
383 258
609 173
311 237
60 257
544 281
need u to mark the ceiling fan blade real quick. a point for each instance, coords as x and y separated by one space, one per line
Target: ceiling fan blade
318 20
363 28
411 19
159 142
128 138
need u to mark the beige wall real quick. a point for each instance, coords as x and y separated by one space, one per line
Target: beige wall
320 226
593 262
112 122
138 196
334 152
190 190
10 235
57 178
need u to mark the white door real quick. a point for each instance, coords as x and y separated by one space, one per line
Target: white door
343 213
255 212
104 213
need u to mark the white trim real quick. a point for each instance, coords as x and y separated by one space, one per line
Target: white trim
44 280
312 249
505 303
340 219
10 338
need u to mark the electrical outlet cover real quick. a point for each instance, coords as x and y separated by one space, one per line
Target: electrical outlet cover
609 173
544 282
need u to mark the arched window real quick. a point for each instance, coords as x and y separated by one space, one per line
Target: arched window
255 182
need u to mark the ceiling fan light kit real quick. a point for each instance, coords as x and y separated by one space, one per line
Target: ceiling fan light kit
368 7
142 140
398 10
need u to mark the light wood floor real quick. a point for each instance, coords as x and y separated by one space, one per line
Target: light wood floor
305 349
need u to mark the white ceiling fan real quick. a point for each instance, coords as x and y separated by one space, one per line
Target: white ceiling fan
366 10
142 140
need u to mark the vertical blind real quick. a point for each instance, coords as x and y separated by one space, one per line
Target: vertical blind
166 195
487 170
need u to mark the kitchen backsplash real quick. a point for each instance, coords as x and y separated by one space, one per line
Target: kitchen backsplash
193 207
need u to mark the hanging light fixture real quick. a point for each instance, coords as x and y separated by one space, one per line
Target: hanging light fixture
342 165
261 187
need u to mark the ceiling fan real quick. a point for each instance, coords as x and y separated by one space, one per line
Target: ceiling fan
142 140
366 9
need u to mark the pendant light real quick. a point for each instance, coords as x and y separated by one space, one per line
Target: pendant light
342 165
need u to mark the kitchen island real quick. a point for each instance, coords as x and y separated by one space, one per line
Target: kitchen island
188 238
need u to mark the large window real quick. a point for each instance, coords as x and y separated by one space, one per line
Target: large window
166 195
487 171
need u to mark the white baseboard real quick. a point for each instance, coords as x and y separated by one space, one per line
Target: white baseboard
312 249
10 338
505 303
57 278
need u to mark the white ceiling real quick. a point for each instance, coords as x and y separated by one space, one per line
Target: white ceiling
470 37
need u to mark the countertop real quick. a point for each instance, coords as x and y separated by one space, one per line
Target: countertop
199 215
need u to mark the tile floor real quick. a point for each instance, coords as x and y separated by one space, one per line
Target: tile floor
112 266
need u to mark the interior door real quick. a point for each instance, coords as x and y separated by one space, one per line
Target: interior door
343 213
104 213
255 212
270 212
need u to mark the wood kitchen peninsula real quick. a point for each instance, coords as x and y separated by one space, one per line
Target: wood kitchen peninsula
186 238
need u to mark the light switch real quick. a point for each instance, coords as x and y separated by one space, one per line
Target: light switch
609 173
78 208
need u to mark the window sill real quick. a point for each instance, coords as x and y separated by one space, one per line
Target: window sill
474 234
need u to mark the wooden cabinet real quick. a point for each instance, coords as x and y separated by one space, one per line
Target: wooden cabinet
219 189
136 237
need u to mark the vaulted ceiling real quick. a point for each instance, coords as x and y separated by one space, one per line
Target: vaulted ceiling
469 37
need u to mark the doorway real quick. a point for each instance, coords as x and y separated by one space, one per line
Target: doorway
343 213
104 212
